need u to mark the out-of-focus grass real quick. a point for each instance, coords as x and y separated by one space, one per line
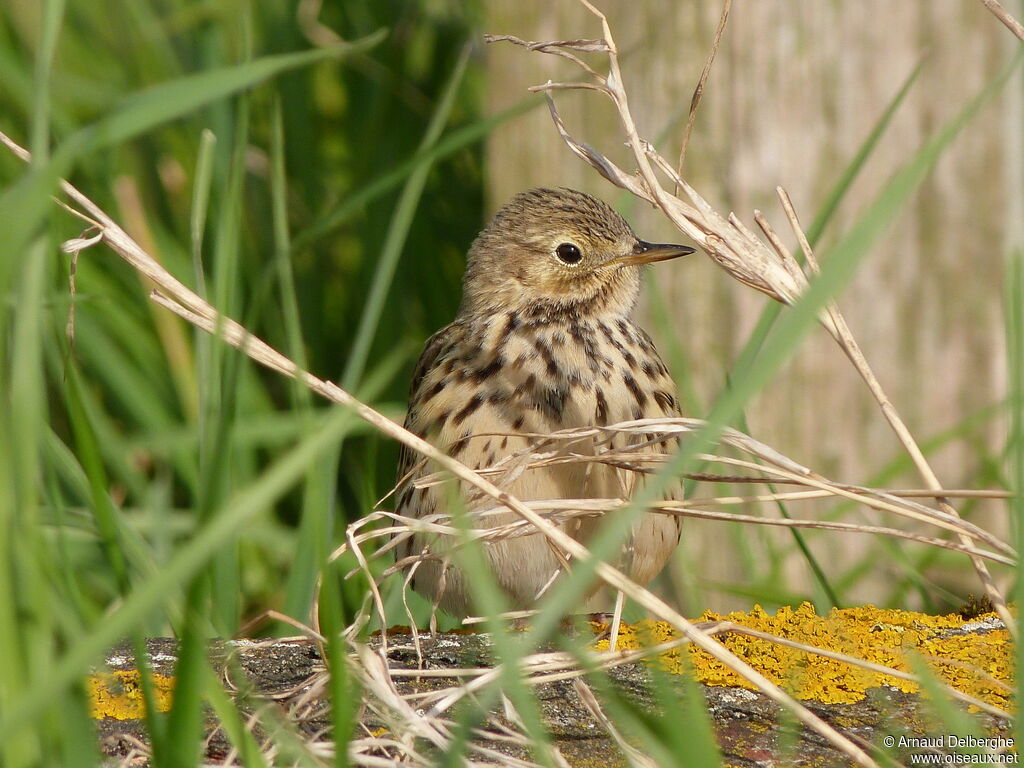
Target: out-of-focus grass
154 482
208 196
1014 300
743 535
214 132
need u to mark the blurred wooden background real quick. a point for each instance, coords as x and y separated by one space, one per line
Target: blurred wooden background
795 90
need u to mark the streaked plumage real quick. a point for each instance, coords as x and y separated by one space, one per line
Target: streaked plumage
543 341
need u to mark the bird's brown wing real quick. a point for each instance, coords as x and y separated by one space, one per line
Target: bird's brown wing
432 351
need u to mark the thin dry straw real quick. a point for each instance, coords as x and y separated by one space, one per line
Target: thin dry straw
1004 16
701 82
783 285
183 301
844 337
743 255
546 667
782 468
560 511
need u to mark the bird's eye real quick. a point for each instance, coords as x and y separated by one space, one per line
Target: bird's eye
568 253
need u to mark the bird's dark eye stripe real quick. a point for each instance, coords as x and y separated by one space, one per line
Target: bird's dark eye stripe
568 253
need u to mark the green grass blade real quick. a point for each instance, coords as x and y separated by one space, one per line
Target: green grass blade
147 597
1014 302
24 204
837 270
316 526
771 312
820 577
313 542
455 141
39 141
952 720
397 233
161 103
183 734
856 165
87 449
827 211
490 601
77 747
283 249
200 204
343 698
220 396
842 261
896 191
25 644
230 716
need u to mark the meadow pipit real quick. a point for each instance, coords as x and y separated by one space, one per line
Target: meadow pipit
544 340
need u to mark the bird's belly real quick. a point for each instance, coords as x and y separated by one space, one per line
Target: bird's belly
546 385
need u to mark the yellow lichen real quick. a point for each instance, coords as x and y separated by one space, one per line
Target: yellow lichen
978 664
119 694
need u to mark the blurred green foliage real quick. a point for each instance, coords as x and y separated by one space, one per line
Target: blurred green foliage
153 481
346 124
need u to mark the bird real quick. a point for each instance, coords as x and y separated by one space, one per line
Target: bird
544 339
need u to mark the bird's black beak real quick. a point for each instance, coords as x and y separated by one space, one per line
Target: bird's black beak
648 253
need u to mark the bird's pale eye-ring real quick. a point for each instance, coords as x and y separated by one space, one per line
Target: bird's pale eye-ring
569 254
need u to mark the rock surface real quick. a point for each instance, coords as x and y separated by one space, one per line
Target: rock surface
748 727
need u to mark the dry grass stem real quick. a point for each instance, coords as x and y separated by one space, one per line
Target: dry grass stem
1004 16
633 756
734 247
180 299
849 345
768 267
550 667
555 449
728 626
698 92
845 338
561 511
268 615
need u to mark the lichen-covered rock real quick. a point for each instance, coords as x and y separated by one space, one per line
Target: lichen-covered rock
972 656
872 708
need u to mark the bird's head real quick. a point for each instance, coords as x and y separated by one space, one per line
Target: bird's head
556 252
